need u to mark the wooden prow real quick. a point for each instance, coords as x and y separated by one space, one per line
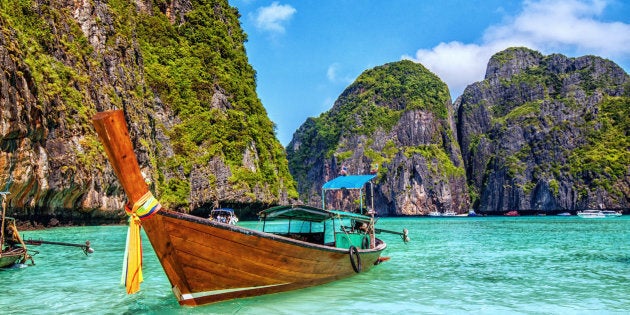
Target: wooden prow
112 129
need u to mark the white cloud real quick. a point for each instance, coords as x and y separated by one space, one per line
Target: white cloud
273 17
558 26
456 63
333 74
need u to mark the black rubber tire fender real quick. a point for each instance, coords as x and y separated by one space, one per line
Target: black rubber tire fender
355 259
365 243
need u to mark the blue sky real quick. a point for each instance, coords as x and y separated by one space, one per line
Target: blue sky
306 52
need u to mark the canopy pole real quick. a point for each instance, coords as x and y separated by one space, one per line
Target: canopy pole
372 194
323 199
4 209
361 199
372 237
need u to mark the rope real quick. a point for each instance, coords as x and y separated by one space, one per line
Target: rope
143 209
16 236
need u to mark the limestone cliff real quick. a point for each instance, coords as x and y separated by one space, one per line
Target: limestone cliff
398 117
547 133
177 68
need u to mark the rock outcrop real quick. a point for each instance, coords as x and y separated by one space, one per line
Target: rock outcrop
180 73
546 133
397 117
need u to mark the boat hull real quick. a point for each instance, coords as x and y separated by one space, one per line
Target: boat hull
10 258
209 262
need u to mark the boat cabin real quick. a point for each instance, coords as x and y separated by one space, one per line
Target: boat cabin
313 225
335 228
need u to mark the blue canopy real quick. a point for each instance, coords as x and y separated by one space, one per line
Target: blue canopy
348 182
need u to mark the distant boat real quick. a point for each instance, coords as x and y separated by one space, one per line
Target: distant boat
512 213
223 215
611 213
472 213
442 214
564 214
591 214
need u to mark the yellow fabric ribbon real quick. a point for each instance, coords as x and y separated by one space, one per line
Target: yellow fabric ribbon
132 262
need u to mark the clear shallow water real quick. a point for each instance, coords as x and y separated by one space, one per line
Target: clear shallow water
495 265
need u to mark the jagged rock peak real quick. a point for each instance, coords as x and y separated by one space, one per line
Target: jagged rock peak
396 116
532 133
512 61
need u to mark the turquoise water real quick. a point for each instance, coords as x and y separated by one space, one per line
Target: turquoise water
494 265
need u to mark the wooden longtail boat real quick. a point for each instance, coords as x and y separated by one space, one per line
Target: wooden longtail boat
208 261
10 257
12 248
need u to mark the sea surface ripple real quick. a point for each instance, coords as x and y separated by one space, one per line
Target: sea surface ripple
482 265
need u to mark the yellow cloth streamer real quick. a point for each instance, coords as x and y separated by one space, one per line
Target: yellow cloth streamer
132 262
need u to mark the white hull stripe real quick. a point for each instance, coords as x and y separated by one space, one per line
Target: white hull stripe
189 296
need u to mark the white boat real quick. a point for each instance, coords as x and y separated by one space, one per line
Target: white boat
224 215
564 214
442 214
611 213
591 214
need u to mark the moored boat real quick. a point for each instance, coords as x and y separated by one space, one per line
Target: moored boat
12 256
611 213
591 214
208 261
512 213
224 215
12 248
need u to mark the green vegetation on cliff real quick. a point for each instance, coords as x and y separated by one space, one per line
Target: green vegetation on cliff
187 65
556 131
375 101
193 64
605 158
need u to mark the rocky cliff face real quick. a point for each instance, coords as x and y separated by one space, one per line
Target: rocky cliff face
396 116
63 61
546 133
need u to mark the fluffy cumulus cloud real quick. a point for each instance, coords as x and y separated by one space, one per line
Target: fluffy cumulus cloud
564 26
273 17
